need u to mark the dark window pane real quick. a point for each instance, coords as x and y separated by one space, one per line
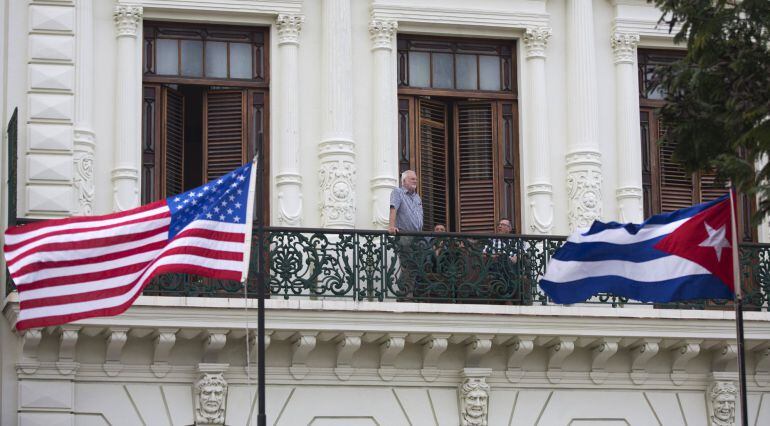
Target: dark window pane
240 60
466 72
489 70
418 69
167 58
443 71
216 59
192 58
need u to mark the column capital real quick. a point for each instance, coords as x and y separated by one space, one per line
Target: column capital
624 46
289 27
127 19
535 41
382 32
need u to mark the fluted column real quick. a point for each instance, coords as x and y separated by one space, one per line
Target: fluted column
288 178
125 171
583 160
84 138
539 189
384 120
627 135
336 150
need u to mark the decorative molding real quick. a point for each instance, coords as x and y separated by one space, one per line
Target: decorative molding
536 40
241 7
210 396
640 357
634 195
647 28
116 340
289 28
29 362
543 225
521 348
390 349
624 46
601 353
304 342
348 345
681 355
381 32
477 347
473 396
412 13
584 188
67 340
127 19
84 172
434 346
724 356
213 344
557 353
337 180
163 342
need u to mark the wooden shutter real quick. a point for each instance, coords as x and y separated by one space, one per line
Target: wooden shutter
475 165
224 132
151 150
432 167
676 186
173 142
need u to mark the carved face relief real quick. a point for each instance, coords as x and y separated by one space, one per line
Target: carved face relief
211 394
474 399
722 404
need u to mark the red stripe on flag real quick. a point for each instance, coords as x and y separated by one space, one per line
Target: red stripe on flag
232 237
82 278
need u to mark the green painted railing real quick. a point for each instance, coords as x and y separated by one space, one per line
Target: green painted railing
440 268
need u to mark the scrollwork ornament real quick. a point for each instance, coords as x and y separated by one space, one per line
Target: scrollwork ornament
338 184
584 189
84 181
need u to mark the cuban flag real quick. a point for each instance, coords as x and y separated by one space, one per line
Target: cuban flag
682 255
90 266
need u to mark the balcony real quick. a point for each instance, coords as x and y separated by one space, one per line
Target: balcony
366 265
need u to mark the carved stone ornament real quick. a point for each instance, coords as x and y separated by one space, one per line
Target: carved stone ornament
474 402
624 47
721 404
338 185
127 20
535 41
289 27
210 399
84 178
382 32
584 188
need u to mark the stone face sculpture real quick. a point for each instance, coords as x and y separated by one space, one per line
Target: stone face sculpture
474 407
210 398
722 404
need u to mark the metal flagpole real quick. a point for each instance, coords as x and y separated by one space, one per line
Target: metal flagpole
738 310
261 418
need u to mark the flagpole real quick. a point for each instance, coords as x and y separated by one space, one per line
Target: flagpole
261 417
738 303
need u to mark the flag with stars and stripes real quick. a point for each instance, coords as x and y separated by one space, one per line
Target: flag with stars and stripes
89 266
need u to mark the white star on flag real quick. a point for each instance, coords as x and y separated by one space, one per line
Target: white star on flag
716 239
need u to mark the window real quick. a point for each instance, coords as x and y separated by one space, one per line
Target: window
665 185
458 129
205 93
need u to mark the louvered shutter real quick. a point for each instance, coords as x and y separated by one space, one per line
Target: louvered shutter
224 132
432 167
676 185
475 164
172 137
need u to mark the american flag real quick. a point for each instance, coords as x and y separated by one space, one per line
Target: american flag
83 267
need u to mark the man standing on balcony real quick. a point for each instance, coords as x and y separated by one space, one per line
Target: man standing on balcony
406 216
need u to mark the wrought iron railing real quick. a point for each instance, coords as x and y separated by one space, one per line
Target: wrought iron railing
423 267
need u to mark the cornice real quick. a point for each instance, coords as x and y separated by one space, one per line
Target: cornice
519 19
264 7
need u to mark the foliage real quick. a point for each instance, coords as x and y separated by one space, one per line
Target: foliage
718 95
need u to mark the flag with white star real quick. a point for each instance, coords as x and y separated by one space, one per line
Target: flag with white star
682 255
82 267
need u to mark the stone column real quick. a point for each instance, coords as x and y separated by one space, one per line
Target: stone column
288 178
583 160
125 171
84 138
627 135
384 120
336 151
539 189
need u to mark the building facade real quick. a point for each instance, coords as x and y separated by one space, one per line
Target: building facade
540 112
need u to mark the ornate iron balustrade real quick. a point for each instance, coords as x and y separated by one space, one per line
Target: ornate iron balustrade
423 267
